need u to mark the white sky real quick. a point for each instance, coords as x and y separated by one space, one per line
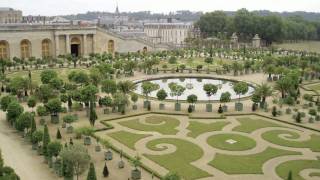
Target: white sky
61 7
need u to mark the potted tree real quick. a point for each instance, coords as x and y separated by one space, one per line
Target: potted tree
192 99
240 88
256 98
54 107
162 95
108 155
134 99
147 88
136 173
36 138
225 98
210 90
176 90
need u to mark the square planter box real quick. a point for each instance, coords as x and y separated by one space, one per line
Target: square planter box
208 107
55 119
225 108
177 107
134 107
108 155
135 174
238 106
121 164
87 141
146 104
69 129
161 106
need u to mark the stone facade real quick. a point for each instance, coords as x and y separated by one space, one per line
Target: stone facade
9 15
41 41
170 32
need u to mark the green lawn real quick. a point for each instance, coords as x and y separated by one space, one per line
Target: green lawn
296 167
180 160
315 87
249 125
220 141
310 46
161 124
250 164
273 137
127 138
198 128
62 73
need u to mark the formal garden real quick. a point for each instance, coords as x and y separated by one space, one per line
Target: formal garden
198 113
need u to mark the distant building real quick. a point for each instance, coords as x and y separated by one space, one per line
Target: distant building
169 31
9 15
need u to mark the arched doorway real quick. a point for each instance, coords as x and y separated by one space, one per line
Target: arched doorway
4 50
46 48
25 47
75 47
111 46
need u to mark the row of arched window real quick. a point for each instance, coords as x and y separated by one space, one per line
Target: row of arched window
25 49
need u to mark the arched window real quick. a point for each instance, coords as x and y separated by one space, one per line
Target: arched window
25 47
4 50
46 48
111 46
145 50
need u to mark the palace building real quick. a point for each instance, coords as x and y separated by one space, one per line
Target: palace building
42 41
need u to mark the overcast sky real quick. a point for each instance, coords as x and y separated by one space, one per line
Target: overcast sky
62 7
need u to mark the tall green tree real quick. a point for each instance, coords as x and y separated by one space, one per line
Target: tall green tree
92 173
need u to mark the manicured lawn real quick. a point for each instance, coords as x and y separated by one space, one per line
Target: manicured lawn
161 124
249 125
198 128
250 164
127 138
315 87
311 46
35 74
241 142
180 160
273 137
296 167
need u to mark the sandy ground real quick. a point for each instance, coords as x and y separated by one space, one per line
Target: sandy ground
18 154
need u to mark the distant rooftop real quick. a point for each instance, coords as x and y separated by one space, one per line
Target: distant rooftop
6 9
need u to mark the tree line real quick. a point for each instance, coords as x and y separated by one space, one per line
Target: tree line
271 28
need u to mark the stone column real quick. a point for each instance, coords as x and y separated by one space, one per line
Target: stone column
85 52
94 42
57 45
68 50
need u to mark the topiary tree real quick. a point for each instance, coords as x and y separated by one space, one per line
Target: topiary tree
45 140
176 90
225 98
24 121
76 159
92 173
256 98
192 99
13 111
210 90
47 75
32 102
6 100
58 135
162 95
240 88
147 88
37 137
290 176
105 170
54 107
274 111
93 115
134 98
54 148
